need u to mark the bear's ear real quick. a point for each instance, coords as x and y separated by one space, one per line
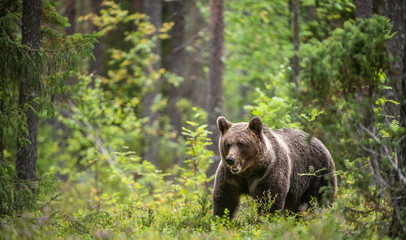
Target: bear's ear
256 125
222 124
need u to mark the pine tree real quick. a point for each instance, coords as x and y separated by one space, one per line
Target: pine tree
30 73
216 69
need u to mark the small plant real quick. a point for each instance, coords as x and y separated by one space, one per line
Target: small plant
264 203
193 175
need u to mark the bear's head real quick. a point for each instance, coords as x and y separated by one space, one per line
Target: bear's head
242 144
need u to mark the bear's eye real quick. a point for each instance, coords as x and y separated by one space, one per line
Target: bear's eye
240 144
228 145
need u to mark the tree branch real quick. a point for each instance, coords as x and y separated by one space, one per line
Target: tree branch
386 154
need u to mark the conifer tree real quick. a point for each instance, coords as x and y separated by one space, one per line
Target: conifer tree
31 36
216 69
30 73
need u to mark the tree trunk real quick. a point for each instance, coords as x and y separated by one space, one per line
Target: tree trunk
138 6
396 13
153 8
215 84
96 66
31 35
363 8
176 62
70 13
194 87
1 133
296 41
398 9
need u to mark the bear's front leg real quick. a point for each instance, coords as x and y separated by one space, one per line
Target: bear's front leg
225 196
225 199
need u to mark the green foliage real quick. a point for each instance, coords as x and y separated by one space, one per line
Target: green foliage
344 77
43 71
132 75
341 76
16 195
350 61
109 191
193 170
325 16
275 104
192 220
257 43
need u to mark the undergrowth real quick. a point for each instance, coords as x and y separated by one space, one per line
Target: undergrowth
183 220
131 199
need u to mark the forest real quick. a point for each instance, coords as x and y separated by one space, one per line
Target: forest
108 114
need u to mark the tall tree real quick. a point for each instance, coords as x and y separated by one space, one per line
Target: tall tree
31 74
363 8
296 41
96 66
216 68
396 46
70 13
153 8
194 87
176 62
31 36
1 133
138 6
2 14
394 10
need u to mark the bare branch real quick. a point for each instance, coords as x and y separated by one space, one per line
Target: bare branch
387 155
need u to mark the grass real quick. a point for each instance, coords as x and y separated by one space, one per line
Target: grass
186 218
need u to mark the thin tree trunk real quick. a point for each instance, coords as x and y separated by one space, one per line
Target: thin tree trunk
396 13
216 68
194 87
70 13
296 41
398 9
31 35
363 8
176 62
1 133
138 6
153 8
96 66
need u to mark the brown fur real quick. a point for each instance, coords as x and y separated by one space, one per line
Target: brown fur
270 161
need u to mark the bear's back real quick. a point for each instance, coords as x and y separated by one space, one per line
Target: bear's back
307 155
304 151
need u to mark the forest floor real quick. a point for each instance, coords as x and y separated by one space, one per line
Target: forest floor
191 218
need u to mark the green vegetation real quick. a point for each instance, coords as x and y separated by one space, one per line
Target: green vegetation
155 205
93 182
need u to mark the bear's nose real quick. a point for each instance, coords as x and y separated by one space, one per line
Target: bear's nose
230 160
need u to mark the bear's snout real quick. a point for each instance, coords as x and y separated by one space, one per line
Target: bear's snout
230 161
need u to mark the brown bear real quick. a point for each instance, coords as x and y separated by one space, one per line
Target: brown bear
265 163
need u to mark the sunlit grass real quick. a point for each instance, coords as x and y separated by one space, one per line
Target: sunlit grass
186 219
